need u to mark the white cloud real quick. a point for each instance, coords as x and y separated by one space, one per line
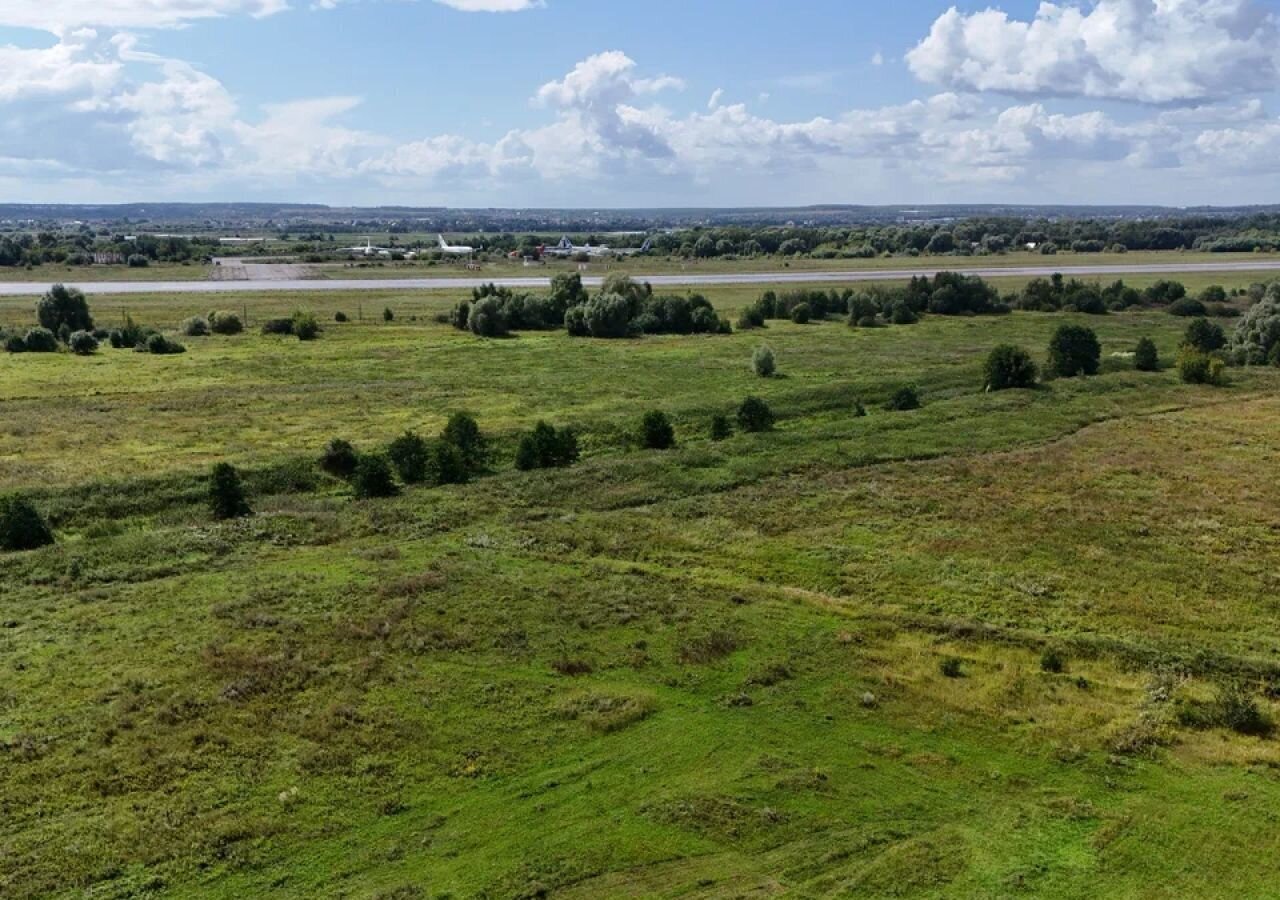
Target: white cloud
1151 51
877 59
492 5
61 16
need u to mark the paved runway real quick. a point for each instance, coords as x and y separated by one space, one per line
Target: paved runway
31 288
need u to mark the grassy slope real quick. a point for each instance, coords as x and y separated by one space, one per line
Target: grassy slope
169 683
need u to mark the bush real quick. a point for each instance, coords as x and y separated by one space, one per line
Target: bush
460 315
226 494
138 261
1145 356
448 464
1009 367
1196 367
859 411
305 326
656 431
1074 350
1053 662
278 326
463 432
21 525
161 346
902 314
339 458
63 307
1235 708
1257 334
40 340
388 315
487 318
607 316
755 415
411 455
223 322
82 343
950 667
547 447
749 318
340 317
868 322
903 399
1204 336
14 343
763 362
372 477
130 335
721 427
1187 307
800 313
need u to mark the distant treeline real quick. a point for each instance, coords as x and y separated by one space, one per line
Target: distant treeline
81 248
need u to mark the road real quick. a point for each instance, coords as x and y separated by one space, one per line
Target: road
30 288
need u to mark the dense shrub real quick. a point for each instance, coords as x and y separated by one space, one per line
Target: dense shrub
40 340
1205 336
487 318
226 494
859 411
903 399
1074 350
721 427
340 317
950 667
463 432
460 315
137 261
1053 662
763 362
388 315
1187 307
1233 707
1145 356
801 313
21 525
196 326
749 318
64 307
755 415
160 345
448 464
1163 293
372 477
953 294
607 316
1198 367
223 322
82 343
869 322
1256 340
1056 293
1009 367
547 447
278 326
13 343
656 431
339 458
305 326
411 455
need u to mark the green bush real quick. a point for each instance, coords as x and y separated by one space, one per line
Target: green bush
547 447
82 343
656 431
411 455
1205 336
1052 661
40 340
13 343
755 415
951 667
1257 334
339 458
305 326
448 464
195 327
903 399
1187 306
859 411
388 315
278 326
64 307
800 313
749 318
487 318
721 427
223 322
340 317
226 494
460 315
1009 367
763 362
1195 367
372 477
868 322
1145 356
1074 350
463 432
161 346
21 525
130 335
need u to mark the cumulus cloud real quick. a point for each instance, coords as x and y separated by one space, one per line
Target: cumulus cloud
1150 51
61 16
492 5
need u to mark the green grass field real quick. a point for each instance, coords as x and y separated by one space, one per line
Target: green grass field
709 672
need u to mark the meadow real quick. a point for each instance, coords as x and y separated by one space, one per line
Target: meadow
976 649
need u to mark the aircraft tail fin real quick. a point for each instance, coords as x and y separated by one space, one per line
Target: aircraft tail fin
444 245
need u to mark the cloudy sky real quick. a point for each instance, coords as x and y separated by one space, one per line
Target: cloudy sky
640 102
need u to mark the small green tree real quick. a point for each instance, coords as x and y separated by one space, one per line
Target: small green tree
63 306
755 415
488 318
656 431
305 326
1009 367
388 315
463 432
1074 350
1196 367
21 525
223 322
372 477
449 464
721 427
411 455
226 494
903 399
82 343
547 447
339 458
1146 358
763 361
801 313
1205 336
40 340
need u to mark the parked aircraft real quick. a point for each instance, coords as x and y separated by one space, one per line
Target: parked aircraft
454 250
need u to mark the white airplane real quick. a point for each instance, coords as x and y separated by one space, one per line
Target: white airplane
454 250
367 250
567 248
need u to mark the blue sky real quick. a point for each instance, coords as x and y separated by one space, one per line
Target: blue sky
577 103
